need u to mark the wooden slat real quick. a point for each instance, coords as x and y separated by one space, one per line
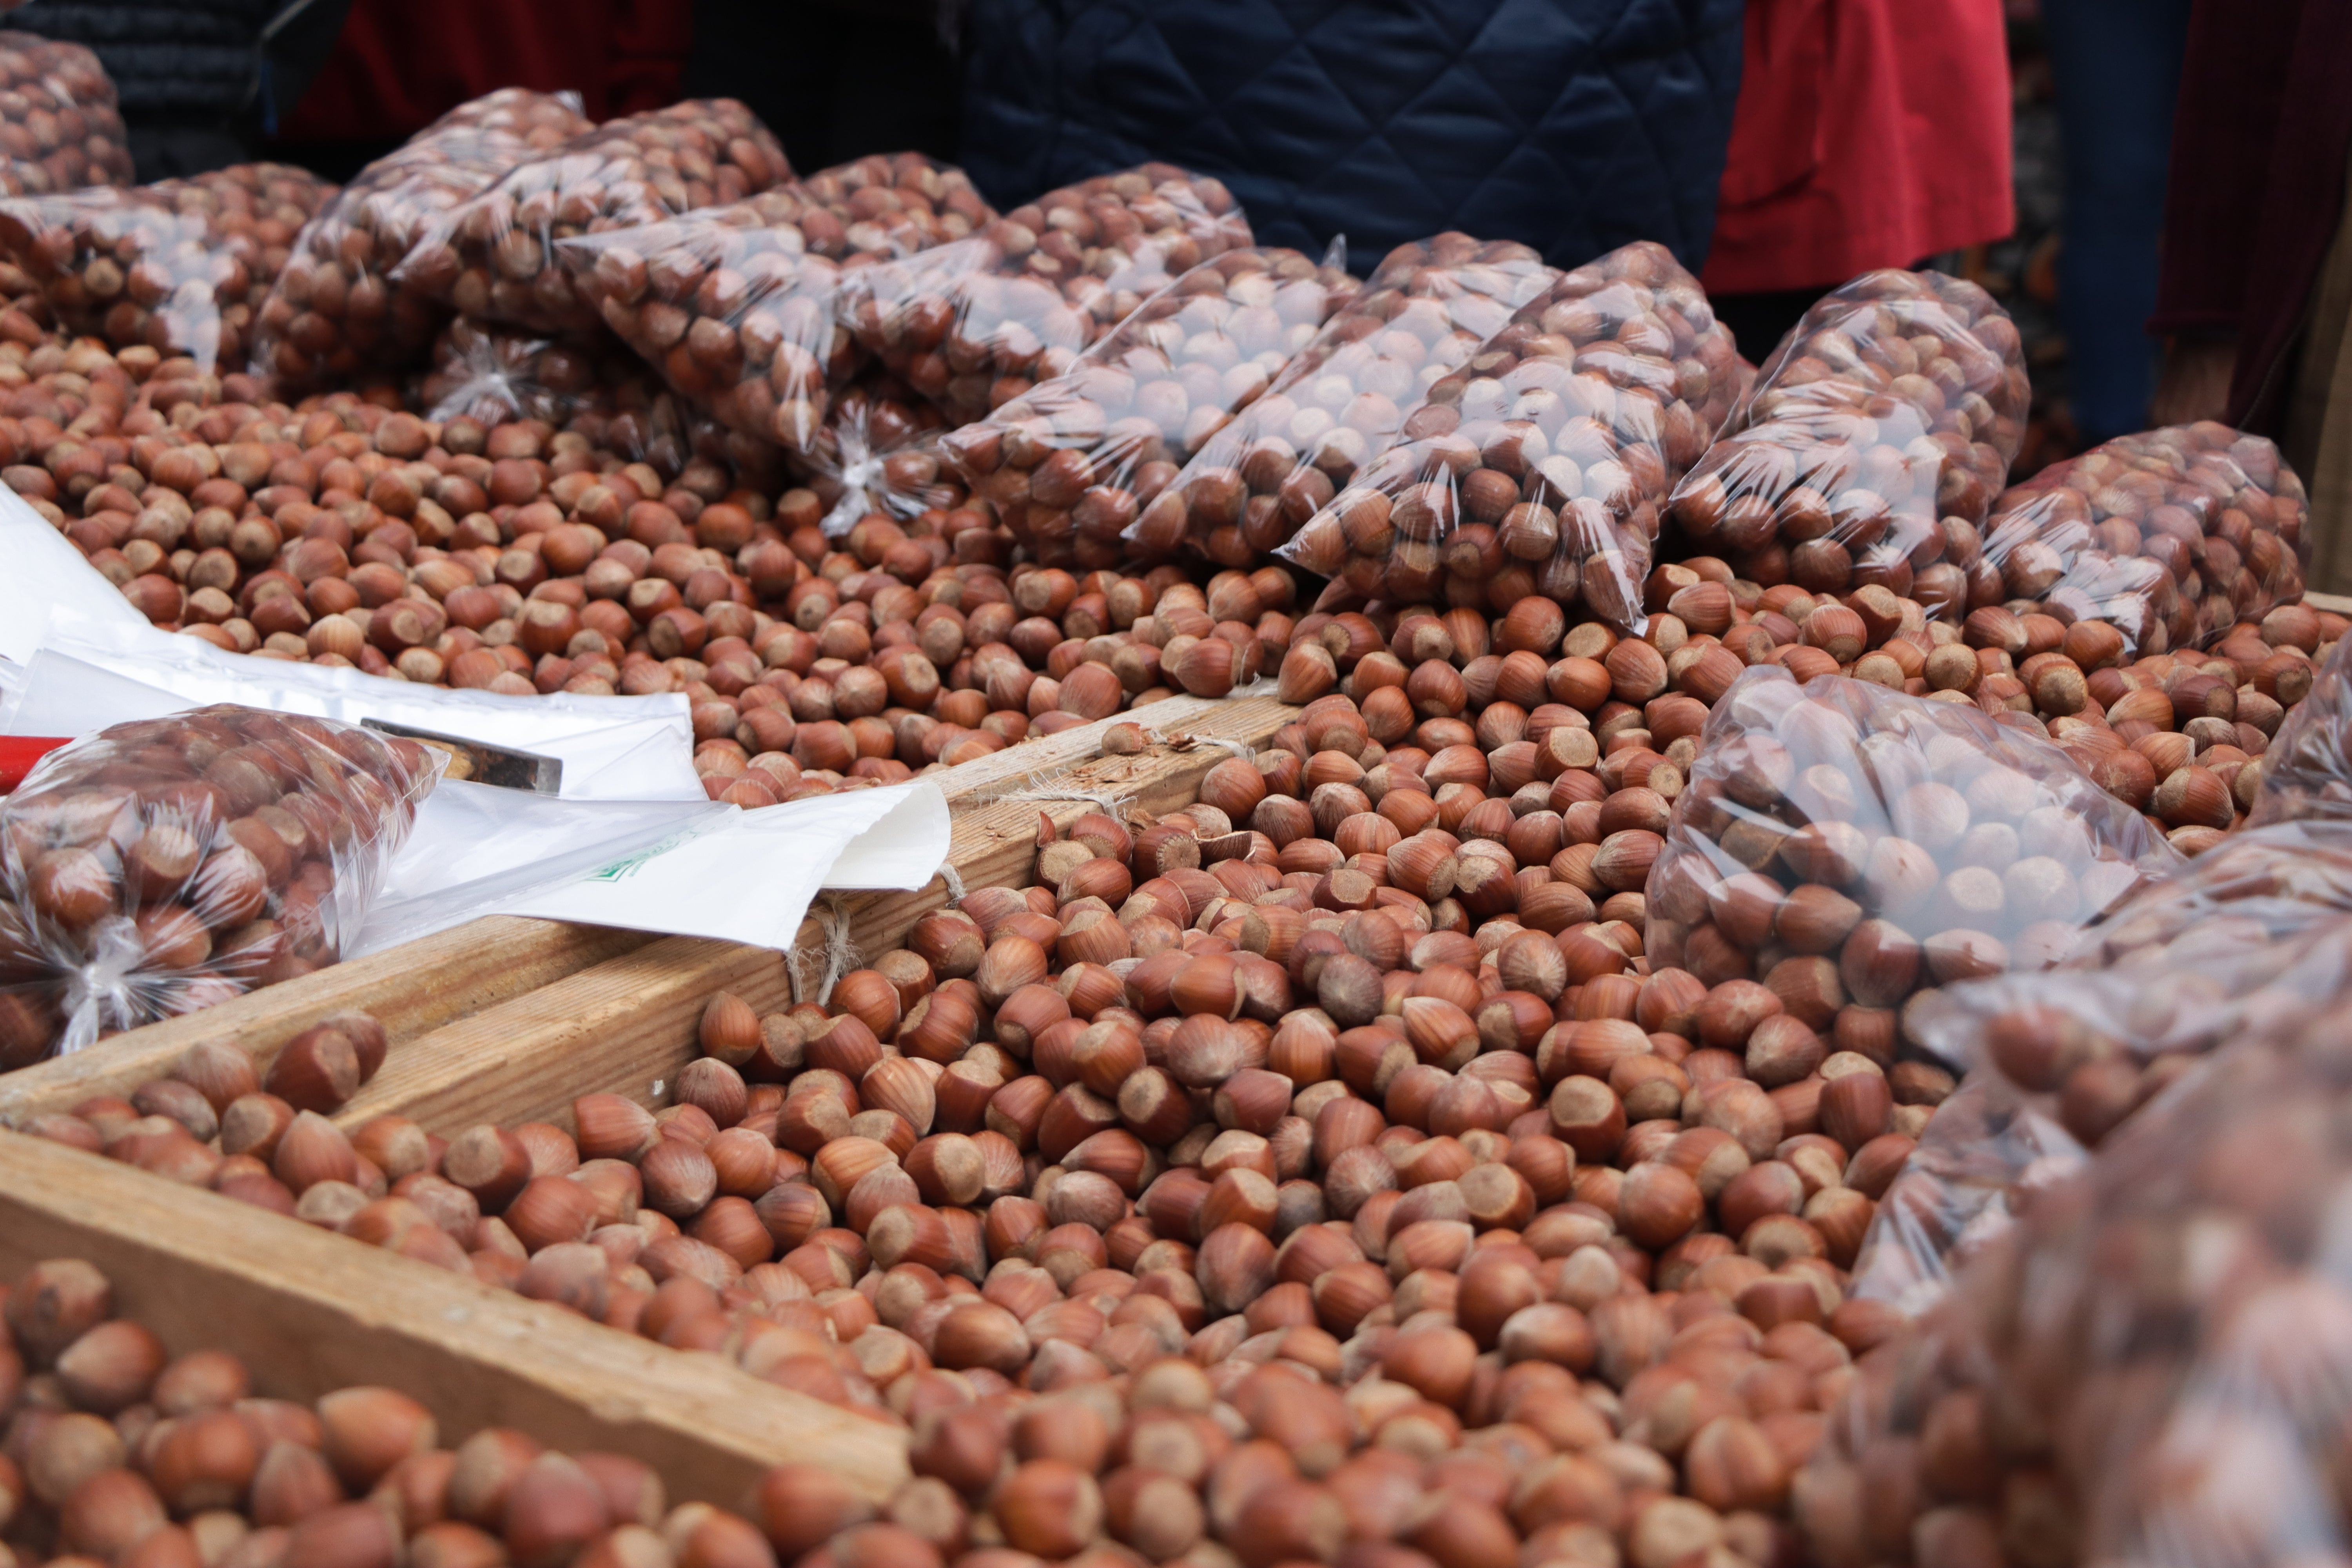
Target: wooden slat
311 1311
425 985
627 1026
412 990
2334 604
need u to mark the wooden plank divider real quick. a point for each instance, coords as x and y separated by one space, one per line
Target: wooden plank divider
627 1025
496 965
309 1312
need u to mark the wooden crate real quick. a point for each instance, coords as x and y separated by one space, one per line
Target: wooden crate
575 1011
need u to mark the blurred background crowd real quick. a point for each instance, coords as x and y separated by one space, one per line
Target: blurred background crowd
2153 187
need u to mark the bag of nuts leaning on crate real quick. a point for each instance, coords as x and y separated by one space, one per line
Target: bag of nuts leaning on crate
334 315
1547 457
181 267
2149 1367
2159 541
1871 446
2307 769
2254 931
1079 456
165 864
978 322
1347 396
494 255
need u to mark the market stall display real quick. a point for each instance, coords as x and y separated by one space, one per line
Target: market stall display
1522 895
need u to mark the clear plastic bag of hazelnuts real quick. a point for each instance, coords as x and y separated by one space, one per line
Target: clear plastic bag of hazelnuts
1358 387
2153 1367
1070 463
1870 446
2246 939
978 322
485 373
60 129
182 265
494 255
166 865
1546 458
334 315
1850 848
733 306
2170 536
2307 769
876 454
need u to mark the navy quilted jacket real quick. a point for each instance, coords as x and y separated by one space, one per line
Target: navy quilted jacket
1572 125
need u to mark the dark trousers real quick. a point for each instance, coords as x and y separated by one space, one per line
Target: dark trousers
2118 65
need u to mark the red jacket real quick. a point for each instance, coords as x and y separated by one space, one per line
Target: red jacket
399 65
1868 133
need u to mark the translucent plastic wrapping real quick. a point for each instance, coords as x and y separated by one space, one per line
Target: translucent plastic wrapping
2153 1367
1853 849
2246 937
181 267
492 375
974 324
334 315
2172 536
165 864
1545 459
1069 463
494 257
1350 393
734 306
1870 446
892 204
59 128
2307 769
878 453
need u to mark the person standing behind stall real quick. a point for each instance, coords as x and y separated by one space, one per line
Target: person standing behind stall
1574 126
1869 133
2254 301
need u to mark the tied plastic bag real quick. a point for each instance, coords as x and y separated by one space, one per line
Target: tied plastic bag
1853 849
1870 446
494 255
974 324
2307 769
2246 939
1546 458
59 126
334 315
1069 464
1357 388
734 306
490 375
2152 1367
2171 537
164 864
879 454
181 267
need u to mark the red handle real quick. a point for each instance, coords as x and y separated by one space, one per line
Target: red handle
19 752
